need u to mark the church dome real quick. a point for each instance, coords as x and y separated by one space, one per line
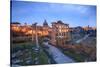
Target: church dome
45 23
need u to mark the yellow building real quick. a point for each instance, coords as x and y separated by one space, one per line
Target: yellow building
58 33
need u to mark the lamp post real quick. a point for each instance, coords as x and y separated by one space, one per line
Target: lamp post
32 33
71 34
36 35
36 60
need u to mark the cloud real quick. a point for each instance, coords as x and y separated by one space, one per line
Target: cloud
82 9
72 13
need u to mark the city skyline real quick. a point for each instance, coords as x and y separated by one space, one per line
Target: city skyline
74 15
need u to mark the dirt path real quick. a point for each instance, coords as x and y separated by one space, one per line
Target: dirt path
57 55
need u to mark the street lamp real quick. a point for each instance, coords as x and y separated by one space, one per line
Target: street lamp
32 33
71 33
36 36
36 60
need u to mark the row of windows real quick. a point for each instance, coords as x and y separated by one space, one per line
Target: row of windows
61 26
61 34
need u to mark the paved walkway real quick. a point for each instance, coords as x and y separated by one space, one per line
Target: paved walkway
57 55
80 40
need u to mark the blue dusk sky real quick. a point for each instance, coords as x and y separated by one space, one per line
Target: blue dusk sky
72 14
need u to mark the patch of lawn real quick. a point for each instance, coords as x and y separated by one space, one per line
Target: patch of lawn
73 55
21 46
15 47
43 58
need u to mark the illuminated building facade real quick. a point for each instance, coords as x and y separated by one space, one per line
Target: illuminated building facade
27 29
61 33
58 33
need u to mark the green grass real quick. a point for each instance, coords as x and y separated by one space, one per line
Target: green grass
43 58
74 56
22 44
17 46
